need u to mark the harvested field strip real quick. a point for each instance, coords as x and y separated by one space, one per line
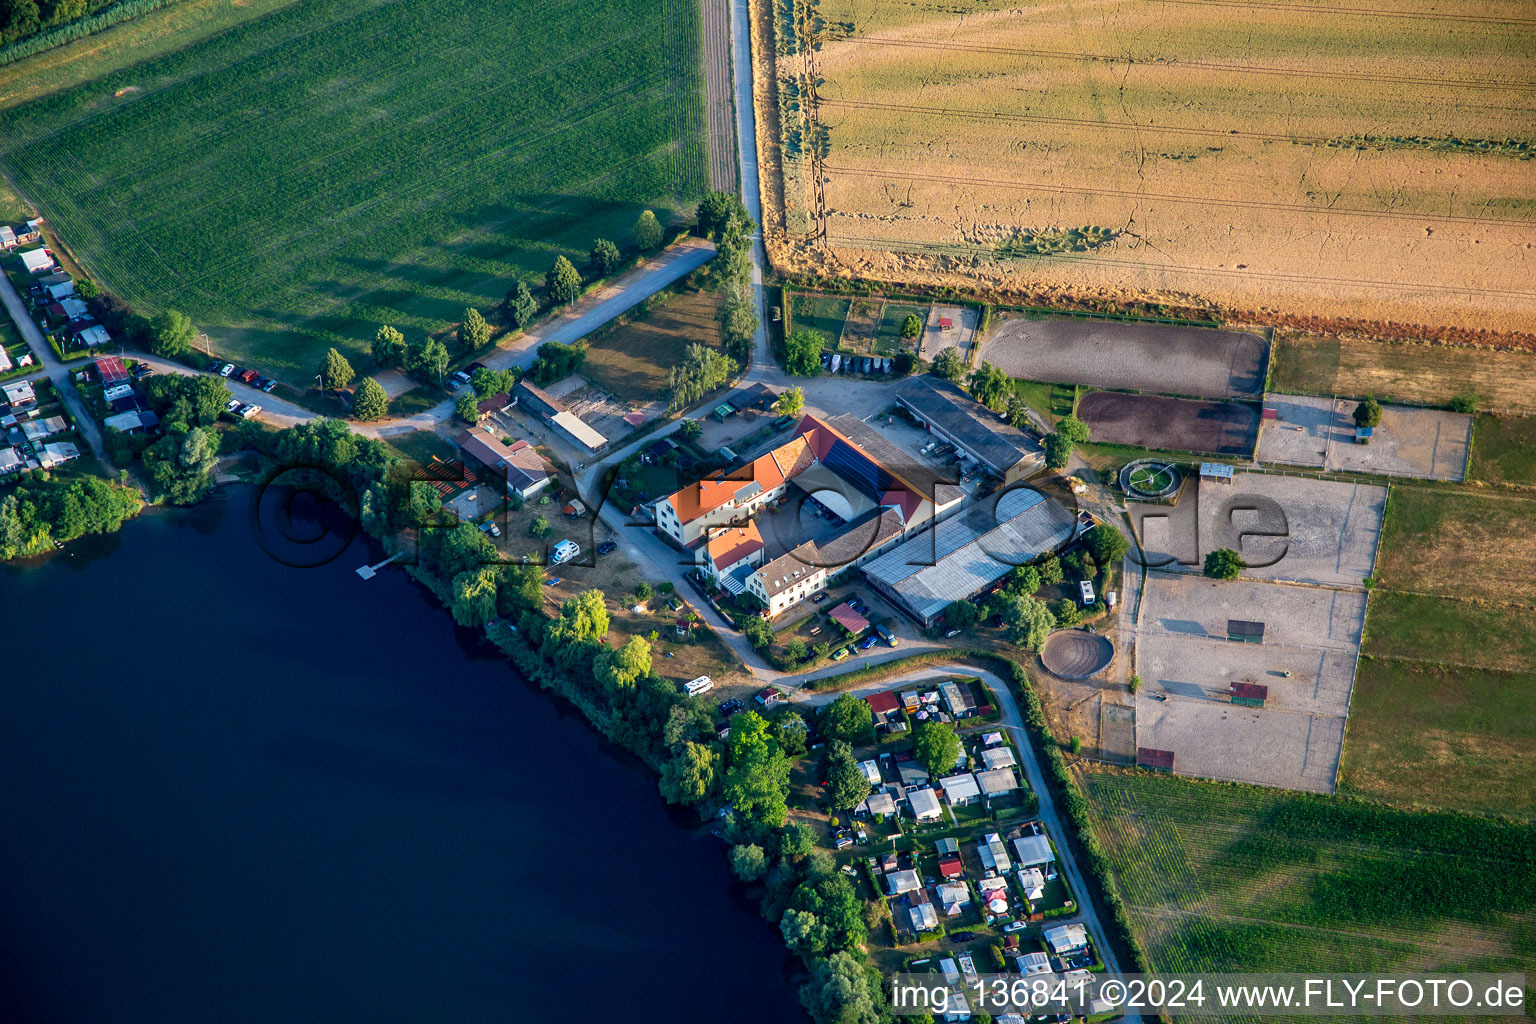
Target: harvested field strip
1203 201
950 248
1367 12
1222 877
1199 65
1421 733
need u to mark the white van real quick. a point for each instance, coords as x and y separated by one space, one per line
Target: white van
564 552
703 684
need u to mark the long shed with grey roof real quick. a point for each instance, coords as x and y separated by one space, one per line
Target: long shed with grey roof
964 556
1002 449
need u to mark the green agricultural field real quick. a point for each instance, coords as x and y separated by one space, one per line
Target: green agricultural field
1504 450
1442 736
1439 629
1223 877
302 177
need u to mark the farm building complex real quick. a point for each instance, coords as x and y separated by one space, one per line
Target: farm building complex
1003 450
969 554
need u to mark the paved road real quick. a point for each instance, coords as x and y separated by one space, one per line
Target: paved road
53 368
1033 772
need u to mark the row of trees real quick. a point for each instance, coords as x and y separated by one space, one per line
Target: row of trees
723 218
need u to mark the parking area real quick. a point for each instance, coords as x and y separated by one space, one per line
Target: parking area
1163 358
1306 660
1294 528
1428 443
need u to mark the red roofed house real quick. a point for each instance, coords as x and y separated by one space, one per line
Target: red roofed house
883 703
733 496
950 867
731 546
111 371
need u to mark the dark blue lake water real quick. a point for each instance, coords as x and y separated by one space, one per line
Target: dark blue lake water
236 791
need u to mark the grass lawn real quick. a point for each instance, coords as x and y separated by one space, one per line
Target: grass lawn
1304 366
1458 543
1224 877
1504 449
304 176
822 314
1453 632
630 360
12 209
888 339
1442 736
418 399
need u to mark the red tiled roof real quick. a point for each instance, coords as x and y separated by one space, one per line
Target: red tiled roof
731 545
883 702
766 471
950 867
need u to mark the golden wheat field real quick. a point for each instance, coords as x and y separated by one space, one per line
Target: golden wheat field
1369 159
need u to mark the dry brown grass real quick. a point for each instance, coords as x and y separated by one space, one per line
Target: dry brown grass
1459 543
1203 139
631 360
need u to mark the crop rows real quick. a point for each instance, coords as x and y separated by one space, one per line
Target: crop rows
305 176
1221 877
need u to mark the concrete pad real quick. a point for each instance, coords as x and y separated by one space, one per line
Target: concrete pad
1216 739
1205 669
1295 740
1428 443
1294 527
1318 618
1299 435
960 336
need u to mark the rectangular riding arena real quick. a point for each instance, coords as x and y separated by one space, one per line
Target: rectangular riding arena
1164 358
1180 424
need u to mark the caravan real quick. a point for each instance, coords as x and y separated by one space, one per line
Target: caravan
694 687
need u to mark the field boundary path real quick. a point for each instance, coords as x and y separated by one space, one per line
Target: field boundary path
719 112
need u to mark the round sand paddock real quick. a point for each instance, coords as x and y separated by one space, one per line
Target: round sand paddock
1076 654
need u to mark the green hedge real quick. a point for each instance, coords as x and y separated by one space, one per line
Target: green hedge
78 29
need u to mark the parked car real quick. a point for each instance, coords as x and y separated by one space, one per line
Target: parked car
213 367
858 606
951 634
606 547
490 528
226 369
247 411
868 642
842 652
232 405
454 385
818 599
1015 926
730 707
269 385
960 936
552 581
